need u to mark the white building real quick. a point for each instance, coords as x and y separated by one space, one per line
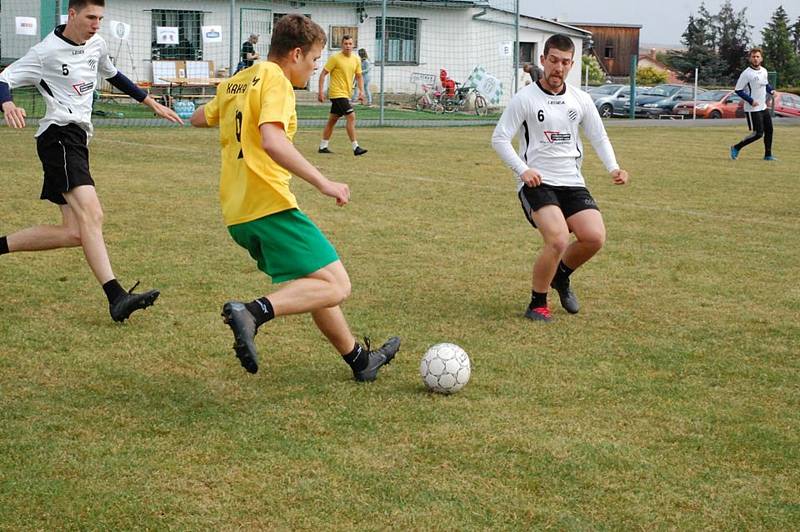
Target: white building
423 36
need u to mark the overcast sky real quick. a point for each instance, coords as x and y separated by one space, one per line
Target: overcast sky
662 23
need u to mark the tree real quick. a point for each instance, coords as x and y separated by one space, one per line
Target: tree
779 51
732 39
796 35
650 76
700 53
596 74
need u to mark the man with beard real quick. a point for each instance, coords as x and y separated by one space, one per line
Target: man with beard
545 116
753 86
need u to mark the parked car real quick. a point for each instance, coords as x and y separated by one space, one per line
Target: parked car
660 99
713 104
613 99
787 104
606 96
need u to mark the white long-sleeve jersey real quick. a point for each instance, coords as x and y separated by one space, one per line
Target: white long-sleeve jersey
754 82
549 141
65 73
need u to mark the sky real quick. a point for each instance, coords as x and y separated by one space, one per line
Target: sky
661 23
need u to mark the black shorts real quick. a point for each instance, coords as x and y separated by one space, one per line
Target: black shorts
341 106
64 153
569 199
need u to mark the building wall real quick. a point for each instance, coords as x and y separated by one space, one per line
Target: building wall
625 42
454 39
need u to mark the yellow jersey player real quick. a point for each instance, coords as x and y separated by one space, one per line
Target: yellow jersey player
255 112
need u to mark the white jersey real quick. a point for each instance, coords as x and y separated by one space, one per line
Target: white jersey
547 128
754 82
65 73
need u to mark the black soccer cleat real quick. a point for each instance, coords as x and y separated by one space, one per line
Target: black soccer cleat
568 299
539 314
127 304
324 150
376 359
243 325
359 151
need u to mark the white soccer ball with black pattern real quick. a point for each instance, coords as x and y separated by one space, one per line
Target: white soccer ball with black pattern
445 368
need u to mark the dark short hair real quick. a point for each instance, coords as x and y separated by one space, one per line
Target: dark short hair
77 5
346 37
295 31
559 41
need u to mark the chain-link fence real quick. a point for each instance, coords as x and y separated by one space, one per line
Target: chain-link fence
448 61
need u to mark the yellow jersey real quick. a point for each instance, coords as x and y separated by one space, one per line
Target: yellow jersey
342 70
251 184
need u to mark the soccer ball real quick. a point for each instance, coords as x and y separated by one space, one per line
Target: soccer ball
445 368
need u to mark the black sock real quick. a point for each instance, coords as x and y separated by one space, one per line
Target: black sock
261 309
563 271
113 290
3 245
538 299
358 358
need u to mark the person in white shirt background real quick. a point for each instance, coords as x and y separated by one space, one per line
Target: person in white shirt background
753 86
64 68
545 116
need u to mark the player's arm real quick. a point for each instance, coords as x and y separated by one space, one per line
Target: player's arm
198 118
360 81
321 93
25 71
741 85
121 82
596 133
282 151
508 125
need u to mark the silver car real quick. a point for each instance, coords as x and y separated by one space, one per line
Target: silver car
612 99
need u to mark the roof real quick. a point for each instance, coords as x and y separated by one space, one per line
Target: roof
604 25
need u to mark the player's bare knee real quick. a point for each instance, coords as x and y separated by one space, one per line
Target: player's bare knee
73 236
558 244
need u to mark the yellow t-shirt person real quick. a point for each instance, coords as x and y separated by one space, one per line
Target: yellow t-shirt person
251 184
343 70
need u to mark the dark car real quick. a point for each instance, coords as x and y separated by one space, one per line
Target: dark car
660 99
787 104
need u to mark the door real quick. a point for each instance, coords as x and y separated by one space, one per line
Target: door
256 20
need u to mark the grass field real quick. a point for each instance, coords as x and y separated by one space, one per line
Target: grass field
672 401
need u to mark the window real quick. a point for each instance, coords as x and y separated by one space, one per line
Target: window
527 53
337 32
402 41
277 16
608 52
190 42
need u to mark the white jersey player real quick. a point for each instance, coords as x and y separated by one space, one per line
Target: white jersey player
545 116
753 87
64 67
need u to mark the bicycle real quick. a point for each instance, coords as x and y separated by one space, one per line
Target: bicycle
458 101
430 100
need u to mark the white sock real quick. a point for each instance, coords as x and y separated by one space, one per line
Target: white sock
355 144
323 143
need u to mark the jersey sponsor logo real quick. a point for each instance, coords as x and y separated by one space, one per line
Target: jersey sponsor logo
84 87
572 114
557 137
237 88
556 102
78 52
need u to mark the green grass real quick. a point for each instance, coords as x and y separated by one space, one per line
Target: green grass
671 401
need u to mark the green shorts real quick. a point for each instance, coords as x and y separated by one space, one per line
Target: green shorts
286 245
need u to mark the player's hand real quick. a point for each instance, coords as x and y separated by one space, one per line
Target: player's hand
620 177
361 98
320 97
531 177
15 116
756 103
166 113
339 191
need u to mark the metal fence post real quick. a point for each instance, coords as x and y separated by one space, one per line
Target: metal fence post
383 58
516 46
233 50
634 68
